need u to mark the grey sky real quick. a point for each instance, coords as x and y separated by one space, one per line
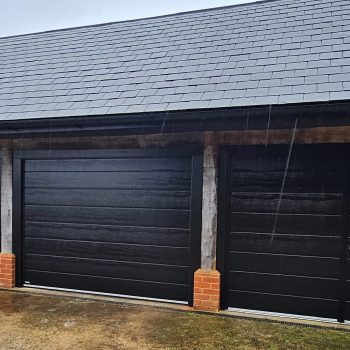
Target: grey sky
28 16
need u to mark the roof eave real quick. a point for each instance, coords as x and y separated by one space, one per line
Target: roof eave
318 114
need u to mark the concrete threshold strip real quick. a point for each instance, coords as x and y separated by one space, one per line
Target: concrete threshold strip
250 315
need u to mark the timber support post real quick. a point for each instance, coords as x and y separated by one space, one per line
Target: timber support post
7 258
207 278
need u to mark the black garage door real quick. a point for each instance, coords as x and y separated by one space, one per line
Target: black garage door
121 222
285 225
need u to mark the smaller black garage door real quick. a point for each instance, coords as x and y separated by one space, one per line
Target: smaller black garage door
120 222
284 228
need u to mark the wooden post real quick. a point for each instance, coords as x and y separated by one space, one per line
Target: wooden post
210 201
7 259
207 279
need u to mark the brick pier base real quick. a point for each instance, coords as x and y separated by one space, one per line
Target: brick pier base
206 290
7 270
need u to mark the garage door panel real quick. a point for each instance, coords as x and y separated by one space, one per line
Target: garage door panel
176 292
285 285
110 198
178 181
109 216
283 264
285 227
286 244
318 225
105 251
116 221
125 164
108 233
108 268
289 203
284 304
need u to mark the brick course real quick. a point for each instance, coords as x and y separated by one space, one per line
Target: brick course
206 290
7 270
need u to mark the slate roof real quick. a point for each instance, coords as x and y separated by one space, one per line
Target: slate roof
273 52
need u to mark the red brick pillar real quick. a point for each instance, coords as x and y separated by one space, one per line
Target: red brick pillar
7 270
207 290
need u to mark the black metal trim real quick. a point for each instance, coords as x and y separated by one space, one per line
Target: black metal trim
17 218
196 221
335 113
223 208
344 252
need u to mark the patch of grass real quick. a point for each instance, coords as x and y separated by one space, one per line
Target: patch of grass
202 332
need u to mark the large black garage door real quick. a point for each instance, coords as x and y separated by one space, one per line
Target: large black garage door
121 222
285 213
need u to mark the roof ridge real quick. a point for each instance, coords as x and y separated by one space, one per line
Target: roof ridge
218 8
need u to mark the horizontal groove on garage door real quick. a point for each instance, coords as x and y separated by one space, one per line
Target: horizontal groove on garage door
285 230
325 267
290 203
315 246
103 165
115 224
289 224
108 233
285 284
177 181
295 182
110 216
100 250
110 198
110 285
290 304
108 268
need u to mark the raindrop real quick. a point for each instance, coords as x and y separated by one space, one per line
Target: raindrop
284 179
164 122
268 126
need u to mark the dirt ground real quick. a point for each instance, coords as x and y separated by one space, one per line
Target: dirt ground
38 322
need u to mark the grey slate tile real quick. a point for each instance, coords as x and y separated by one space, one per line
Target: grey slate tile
319 96
326 87
317 79
156 107
340 95
97 103
118 109
219 103
295 98
152 99
304 89
281 90
258 92
188 105
171 98
134 109
213 95
266 100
